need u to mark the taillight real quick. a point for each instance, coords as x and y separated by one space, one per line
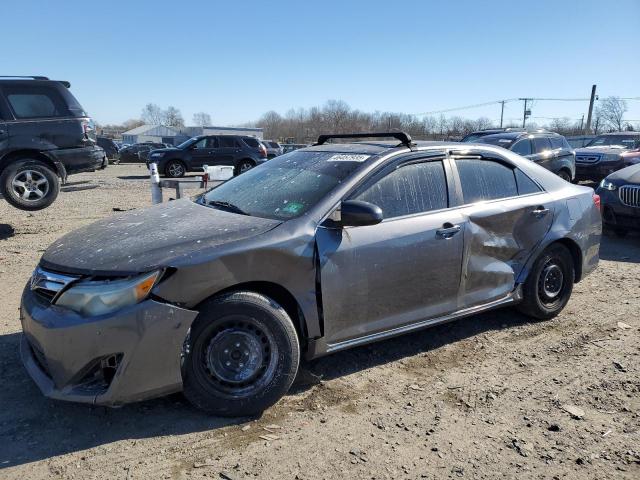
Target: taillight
87 128
596 200
263 151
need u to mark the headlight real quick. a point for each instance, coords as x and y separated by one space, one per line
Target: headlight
92 298
607 185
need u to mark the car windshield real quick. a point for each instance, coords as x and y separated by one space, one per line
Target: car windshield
504 142
285 187
187 143
622 141
472 137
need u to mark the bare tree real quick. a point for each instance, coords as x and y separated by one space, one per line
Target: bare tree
612 110
152 114
173 117
201 119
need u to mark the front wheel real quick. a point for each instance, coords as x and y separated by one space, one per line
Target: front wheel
175 169
549 284
566 176
243 166
29 184
241 355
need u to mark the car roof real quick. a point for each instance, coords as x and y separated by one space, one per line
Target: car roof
618 134
374 148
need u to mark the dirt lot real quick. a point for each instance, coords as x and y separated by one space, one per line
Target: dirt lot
483 397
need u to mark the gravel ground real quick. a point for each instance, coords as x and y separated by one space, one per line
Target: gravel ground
490 396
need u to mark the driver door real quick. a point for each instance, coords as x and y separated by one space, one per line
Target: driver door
203 152
406 268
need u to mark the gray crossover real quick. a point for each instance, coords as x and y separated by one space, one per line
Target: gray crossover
315 251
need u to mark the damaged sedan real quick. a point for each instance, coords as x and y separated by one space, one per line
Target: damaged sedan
318 250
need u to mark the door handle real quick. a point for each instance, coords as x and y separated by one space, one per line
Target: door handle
448 230
539 212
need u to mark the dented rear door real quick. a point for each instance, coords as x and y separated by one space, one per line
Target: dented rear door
501 233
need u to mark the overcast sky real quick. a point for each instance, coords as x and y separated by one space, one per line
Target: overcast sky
236 60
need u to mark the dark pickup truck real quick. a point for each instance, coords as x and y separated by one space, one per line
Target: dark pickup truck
45 135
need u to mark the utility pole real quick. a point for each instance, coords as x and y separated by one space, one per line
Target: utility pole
525 112
581 122
593 97
501 113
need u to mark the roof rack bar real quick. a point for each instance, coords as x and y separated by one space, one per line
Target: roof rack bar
34 77
404 137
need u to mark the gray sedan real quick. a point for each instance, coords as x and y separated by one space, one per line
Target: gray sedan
315 251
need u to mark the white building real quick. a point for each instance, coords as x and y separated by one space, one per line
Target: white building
177 135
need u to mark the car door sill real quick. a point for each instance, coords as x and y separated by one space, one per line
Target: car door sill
512 297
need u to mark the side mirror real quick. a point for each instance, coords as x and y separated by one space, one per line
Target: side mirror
355 213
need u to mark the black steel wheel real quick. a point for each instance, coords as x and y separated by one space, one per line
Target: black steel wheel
549 284
241 356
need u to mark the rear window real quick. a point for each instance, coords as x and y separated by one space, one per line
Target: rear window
558 142
485 180
41 101
274 144
252 142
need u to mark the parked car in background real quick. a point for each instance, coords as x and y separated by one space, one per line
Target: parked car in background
240 151
290 147
143 154
313 252
547 149
273 148
131 154
45 135
579 141
473 136
109 146
620 196
606 154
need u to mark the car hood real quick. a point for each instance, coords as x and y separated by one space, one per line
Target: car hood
626 175
142 240
600 149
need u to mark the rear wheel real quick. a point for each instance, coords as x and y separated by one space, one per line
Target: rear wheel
29 184
243 166
175 169
550 283
241 355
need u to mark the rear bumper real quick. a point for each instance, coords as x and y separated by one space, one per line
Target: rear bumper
76 160
131 355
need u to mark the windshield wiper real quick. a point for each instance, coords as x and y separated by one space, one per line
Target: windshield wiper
226 206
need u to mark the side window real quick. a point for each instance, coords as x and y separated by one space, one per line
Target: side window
557 142
35 102
202 143
413 188
252 142
227 142
522 147
485 180
212 142
541 144
526 186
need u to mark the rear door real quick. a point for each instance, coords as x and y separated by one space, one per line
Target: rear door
4 125
507 215
228 150
405 269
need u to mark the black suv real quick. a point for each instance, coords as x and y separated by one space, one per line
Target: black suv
45 135
549 150
240 151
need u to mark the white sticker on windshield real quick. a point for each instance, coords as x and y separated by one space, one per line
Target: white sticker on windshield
504 140
344 157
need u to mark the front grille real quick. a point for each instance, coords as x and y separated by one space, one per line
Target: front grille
47 285
587 158
630 195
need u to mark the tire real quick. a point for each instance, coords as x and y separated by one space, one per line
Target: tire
175 169
566 176
228 330
29 184
549 284
243 166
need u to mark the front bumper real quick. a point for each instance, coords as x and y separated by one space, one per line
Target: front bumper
596 171
127 356
615 213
